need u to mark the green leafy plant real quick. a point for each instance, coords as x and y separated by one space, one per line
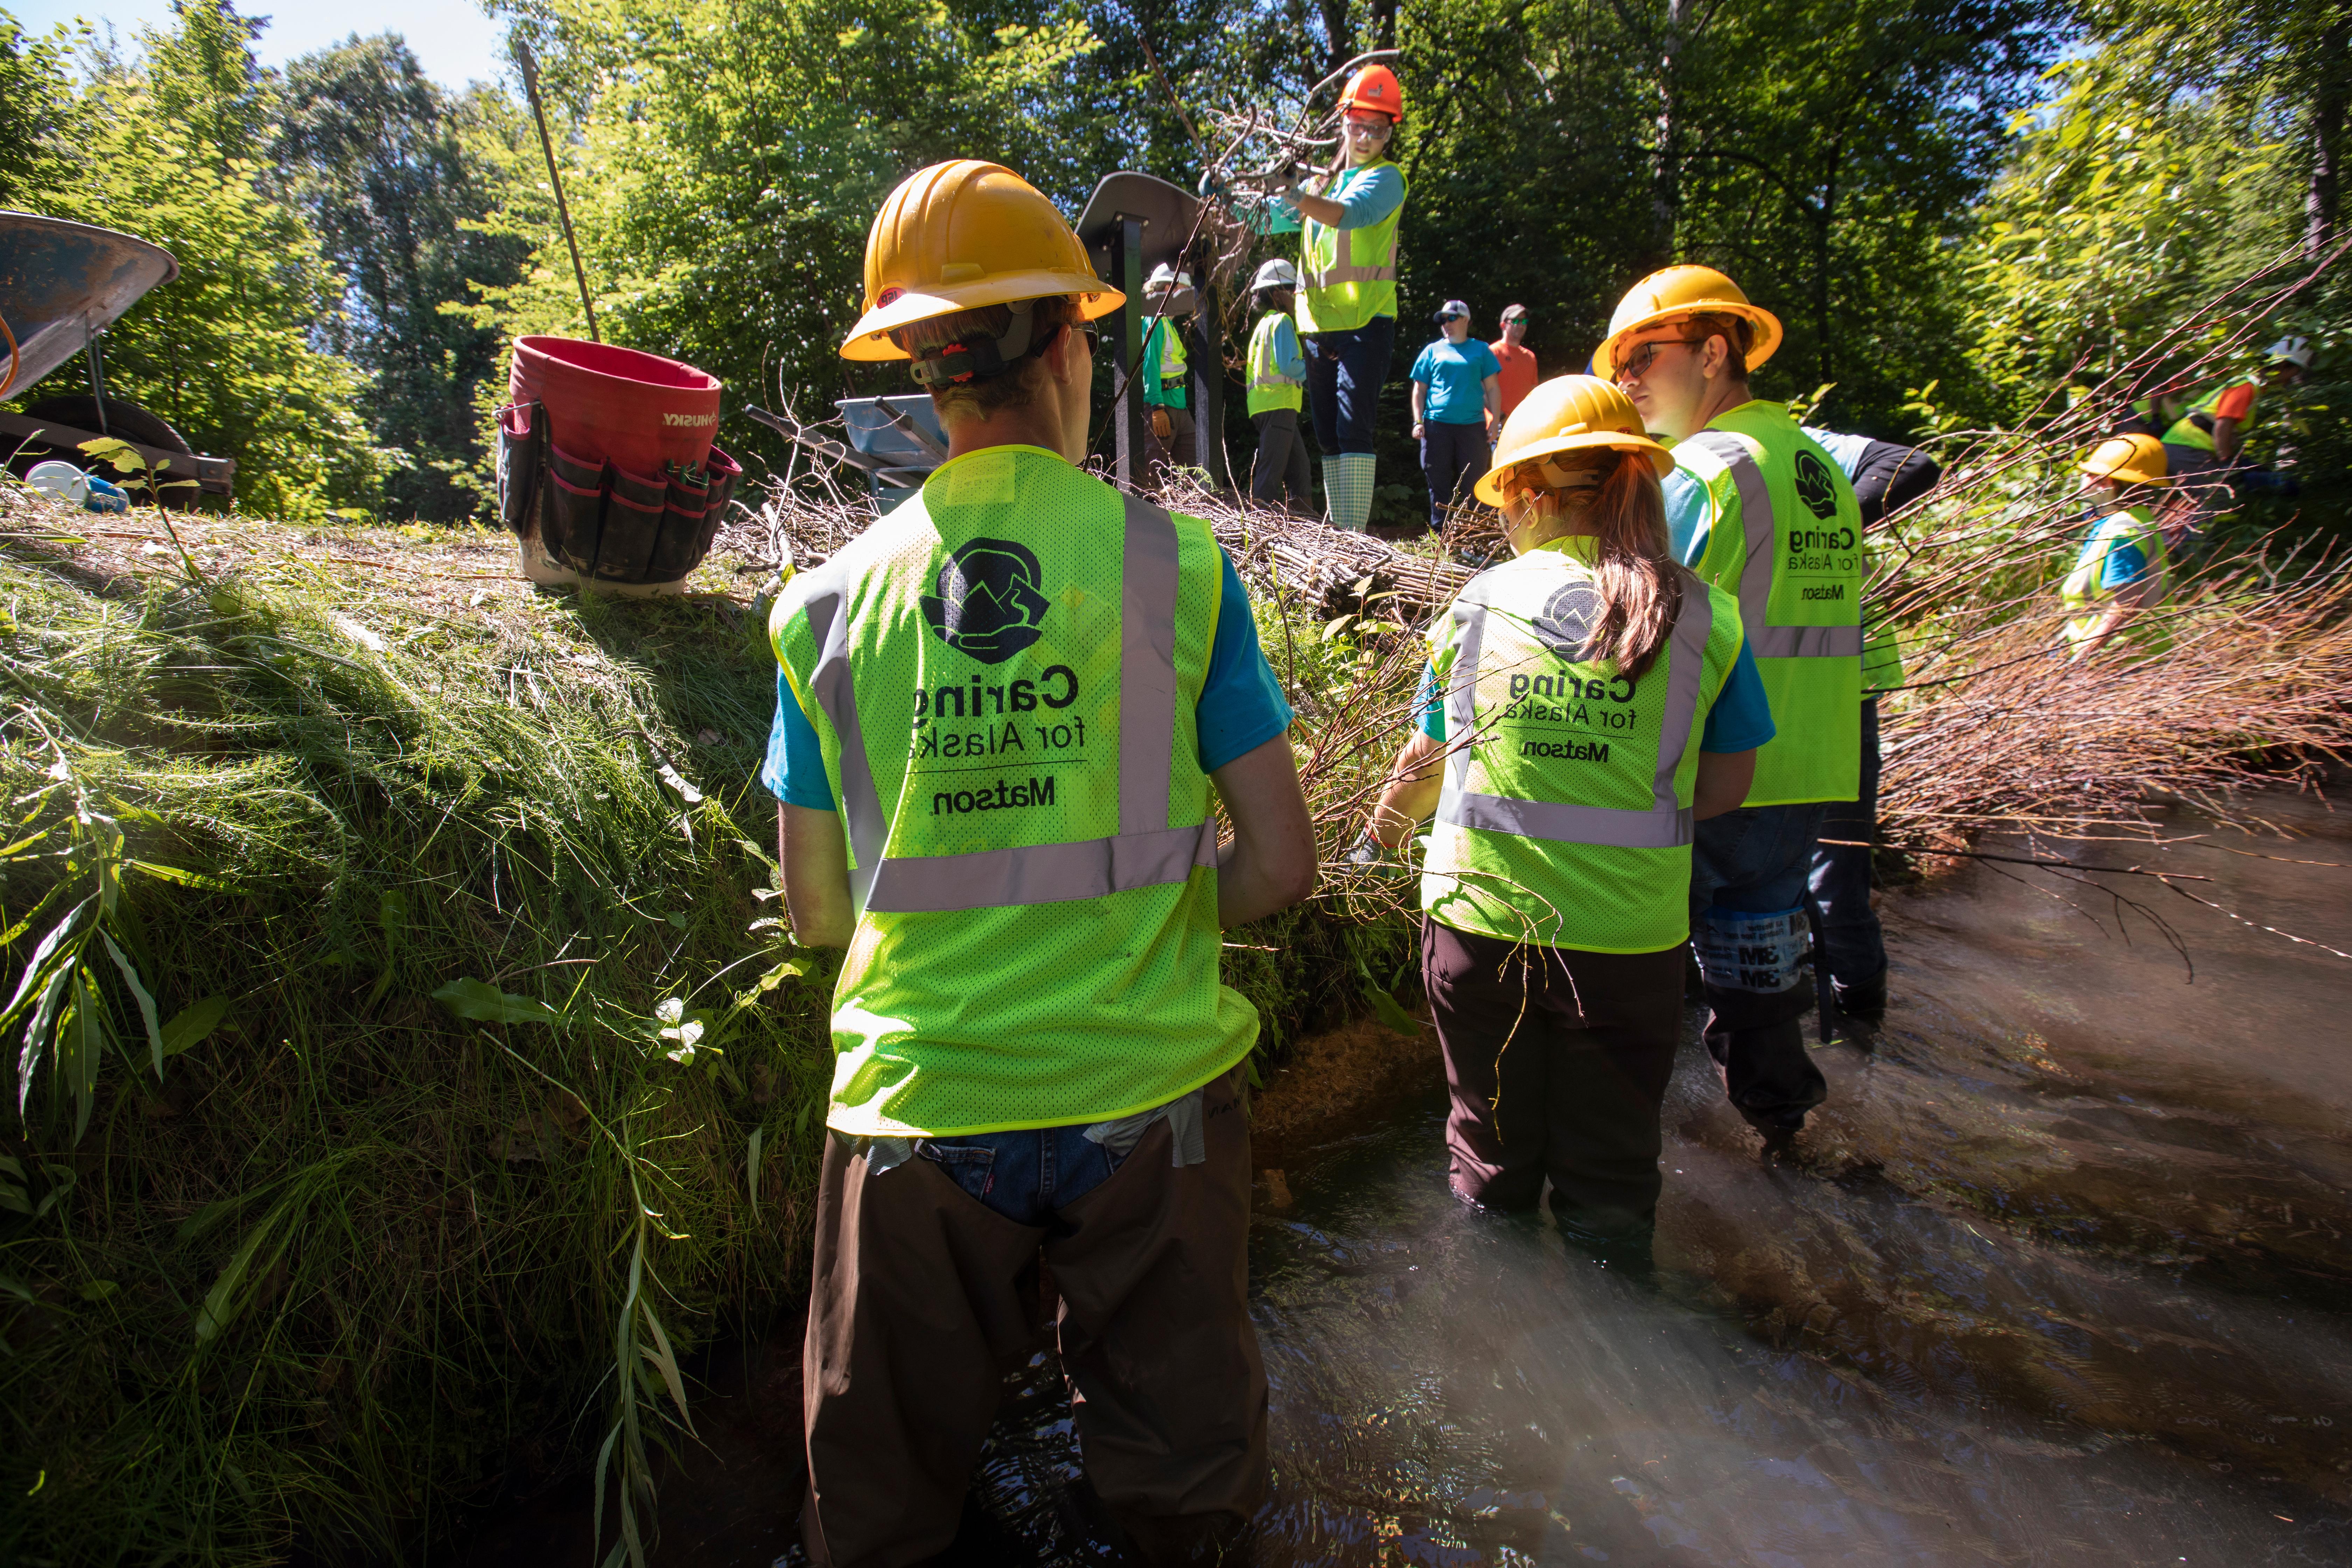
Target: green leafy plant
65 995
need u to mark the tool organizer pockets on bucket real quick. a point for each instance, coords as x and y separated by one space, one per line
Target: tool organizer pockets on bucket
602 520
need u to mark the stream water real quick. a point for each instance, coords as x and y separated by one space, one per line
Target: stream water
2058 1276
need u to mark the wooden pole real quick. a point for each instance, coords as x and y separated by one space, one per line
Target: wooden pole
530 90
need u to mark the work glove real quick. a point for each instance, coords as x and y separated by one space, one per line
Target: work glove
1162 426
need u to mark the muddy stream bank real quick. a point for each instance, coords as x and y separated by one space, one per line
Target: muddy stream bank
2059 1274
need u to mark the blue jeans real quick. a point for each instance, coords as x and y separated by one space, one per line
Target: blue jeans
1453 456
1344 373
1026 1176
1754 861
1852 946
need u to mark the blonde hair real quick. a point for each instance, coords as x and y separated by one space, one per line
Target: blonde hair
1641 585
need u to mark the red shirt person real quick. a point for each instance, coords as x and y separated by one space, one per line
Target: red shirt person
1519 373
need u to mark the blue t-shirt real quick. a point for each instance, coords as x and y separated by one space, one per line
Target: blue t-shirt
1686 527
1288 362
1456 375
1740 720
1241 708
2125 563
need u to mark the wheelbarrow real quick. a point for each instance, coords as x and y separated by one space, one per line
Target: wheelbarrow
895 442
62 284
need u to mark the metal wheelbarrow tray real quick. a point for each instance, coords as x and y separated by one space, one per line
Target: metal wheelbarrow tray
62 284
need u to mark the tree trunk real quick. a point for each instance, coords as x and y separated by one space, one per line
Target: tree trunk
2322 201
1824 215
1667 171
1340 39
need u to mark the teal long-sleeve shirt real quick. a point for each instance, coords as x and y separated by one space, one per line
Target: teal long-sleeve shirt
1365 196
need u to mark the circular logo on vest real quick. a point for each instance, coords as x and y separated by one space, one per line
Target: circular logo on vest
1567 620
1815 488
987 602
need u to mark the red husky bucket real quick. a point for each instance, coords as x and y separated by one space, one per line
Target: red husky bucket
607 472
605 404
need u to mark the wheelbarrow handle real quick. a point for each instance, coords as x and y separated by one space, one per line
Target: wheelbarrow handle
817 444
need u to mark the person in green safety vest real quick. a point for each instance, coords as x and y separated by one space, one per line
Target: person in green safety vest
1171 434
1757 508
1005 714
1348 301
2209 436
1851 947
1277 374
2119 573
1586 703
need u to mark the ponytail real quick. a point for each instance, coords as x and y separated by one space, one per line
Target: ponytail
1641 585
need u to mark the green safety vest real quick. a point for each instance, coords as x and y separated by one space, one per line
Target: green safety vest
2187 432
2083 591
1164 367
1566 818
1785 537
1002 674
1269 388
1346 277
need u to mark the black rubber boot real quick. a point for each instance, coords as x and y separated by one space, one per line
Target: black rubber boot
1865 1002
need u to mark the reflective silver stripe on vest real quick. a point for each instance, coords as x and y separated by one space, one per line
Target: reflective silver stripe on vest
1145 852
836 693
1765 640
1336 274
1667 824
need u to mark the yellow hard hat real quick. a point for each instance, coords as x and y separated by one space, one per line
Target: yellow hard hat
958 235
2133 459
1686 291
1564 414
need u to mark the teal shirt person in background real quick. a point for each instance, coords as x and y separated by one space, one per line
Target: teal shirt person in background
1458 407
1455 375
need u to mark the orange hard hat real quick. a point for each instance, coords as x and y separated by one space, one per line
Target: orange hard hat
1375 88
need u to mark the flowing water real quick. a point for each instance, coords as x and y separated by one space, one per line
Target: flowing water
2058 1276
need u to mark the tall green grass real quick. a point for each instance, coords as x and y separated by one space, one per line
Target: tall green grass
356 1251
480 1085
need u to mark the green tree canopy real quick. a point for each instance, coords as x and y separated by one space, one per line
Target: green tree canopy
393 176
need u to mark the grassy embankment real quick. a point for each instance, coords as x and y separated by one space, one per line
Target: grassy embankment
334 1271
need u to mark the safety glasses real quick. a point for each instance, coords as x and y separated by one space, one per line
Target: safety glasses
1515 321
1636 365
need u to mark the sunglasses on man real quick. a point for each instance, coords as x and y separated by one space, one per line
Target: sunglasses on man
1636 365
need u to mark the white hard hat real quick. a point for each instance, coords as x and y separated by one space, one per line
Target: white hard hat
1165 277
1277 273
2296 352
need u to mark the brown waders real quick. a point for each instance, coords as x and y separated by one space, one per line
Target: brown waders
917 1311
1557 1060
